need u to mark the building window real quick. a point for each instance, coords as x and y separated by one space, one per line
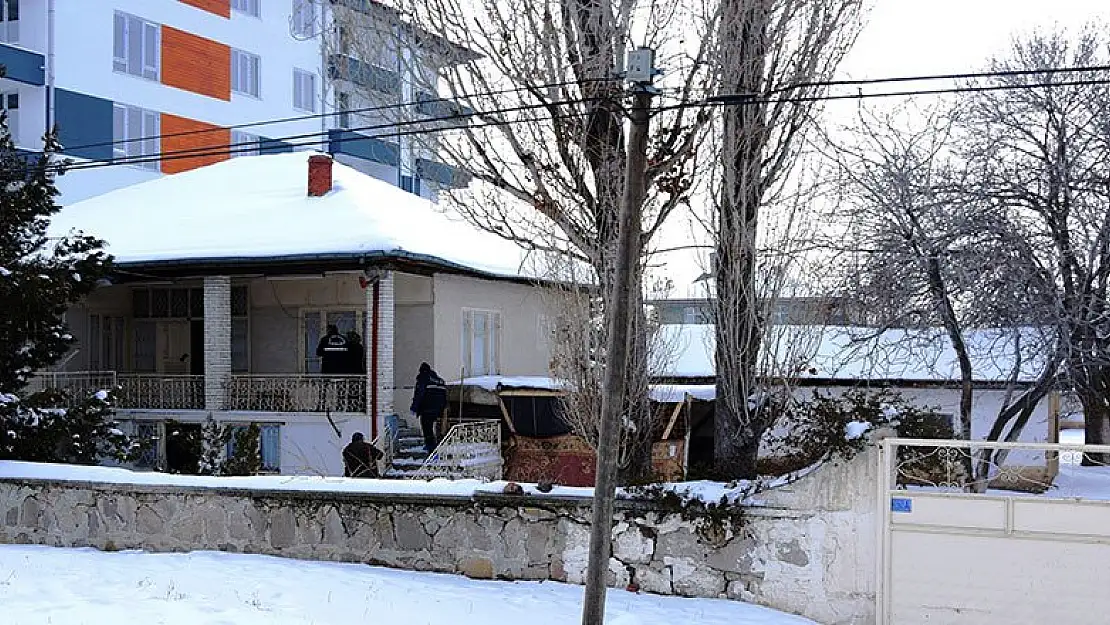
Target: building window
304 18
249 7
136 47
9 21
135 135
106 343
304 90
481 340
10 103
269 444
314 324
410 184
245 144
693 314
343 109
149 432
245 73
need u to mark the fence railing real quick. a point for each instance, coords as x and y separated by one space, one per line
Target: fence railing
470 450
297 393
978 466
79 384
148 391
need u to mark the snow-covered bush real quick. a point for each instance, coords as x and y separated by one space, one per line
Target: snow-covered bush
835 425
54 426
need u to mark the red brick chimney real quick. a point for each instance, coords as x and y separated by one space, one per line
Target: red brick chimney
319 175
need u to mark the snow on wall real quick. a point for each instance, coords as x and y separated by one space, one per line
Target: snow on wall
802 548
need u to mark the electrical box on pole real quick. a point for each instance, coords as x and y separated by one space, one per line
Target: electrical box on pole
640 67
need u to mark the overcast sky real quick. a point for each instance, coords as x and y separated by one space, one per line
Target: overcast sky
914 37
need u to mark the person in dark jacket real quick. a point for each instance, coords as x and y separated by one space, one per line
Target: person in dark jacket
429 399
355 363
333 352
360 459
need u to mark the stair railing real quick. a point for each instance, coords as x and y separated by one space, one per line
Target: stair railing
470 450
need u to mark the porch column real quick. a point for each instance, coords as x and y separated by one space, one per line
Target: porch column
217 340
384 355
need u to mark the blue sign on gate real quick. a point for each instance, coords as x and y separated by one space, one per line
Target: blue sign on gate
901 504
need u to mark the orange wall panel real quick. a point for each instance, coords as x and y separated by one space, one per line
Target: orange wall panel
196 64
219 7
202 137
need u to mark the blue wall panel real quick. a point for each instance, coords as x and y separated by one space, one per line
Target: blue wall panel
83 120
23 65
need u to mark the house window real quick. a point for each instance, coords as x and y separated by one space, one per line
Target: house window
149 432
105 343
481 340
9 21
692 314
245 73
248 7
245 144
10 103
135 135
304 18
269 443
136 46
410 184
343 109
304 90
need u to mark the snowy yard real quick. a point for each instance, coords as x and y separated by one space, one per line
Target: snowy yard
40 585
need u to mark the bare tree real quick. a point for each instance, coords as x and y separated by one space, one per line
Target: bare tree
926 254
770 55
1040 156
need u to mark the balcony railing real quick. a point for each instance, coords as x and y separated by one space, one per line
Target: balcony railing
297 393
78 384
160 392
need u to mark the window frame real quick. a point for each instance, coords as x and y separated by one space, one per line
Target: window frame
304 18
308 352
250 8
150 127
254 73
265 468
149 41
238 138
493 340
9 32
300 76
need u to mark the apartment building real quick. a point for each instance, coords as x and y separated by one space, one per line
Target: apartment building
142 79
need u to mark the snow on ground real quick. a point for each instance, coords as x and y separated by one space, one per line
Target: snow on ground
109 475
42 585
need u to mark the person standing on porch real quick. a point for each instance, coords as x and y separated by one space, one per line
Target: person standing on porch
429 399
333 351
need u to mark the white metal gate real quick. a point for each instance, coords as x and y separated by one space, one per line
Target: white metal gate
1008 555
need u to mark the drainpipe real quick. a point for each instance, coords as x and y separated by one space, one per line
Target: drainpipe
50 64
374 361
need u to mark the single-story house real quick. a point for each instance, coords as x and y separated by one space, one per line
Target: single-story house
227 276
920 365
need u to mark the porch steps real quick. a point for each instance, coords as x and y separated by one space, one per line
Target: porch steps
452 460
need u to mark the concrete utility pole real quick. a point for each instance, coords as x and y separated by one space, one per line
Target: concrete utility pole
640 71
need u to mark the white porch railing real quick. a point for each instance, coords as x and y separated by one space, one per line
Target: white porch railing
155 391
79 384
297 393
470 450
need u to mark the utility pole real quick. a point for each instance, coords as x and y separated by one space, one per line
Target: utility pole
640 72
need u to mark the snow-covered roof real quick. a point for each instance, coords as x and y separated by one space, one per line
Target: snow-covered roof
258 208
851 353
494 383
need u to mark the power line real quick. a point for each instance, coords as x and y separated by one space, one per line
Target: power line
335 113
959 76
314 138
744 99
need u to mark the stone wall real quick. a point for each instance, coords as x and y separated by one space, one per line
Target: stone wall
807 548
